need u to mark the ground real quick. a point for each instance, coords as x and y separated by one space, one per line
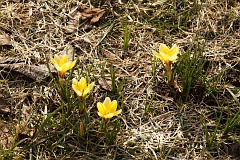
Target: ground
112 42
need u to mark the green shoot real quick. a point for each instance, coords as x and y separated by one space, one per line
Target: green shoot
190 68
116 88
211 138
149 104
113 78
110 134
126 37
233 121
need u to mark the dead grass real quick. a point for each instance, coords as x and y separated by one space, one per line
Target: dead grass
172 129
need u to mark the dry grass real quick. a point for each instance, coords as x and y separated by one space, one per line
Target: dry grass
171 129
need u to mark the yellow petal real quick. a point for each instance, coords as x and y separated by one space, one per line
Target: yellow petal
110 115
113 106
56 59
64 67
100 115
85 92
107 102
101 108
74 81
173 58
163 48
174 50
90 86
63 60
53 61
79 93
76 87
157 55
83 83
67 66
165 57
117 112
58 68
72 64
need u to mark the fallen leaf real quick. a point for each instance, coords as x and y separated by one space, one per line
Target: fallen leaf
97 17
5 40
105 84
10 60
86 15
92 10
83 18
109 55
93 13
35 72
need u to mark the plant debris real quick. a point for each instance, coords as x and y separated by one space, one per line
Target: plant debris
83 18
35 72
5 40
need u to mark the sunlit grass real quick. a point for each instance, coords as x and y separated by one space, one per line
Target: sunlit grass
190 68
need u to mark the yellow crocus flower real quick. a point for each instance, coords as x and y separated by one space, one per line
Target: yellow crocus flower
108 108
62 64
166 54
81 87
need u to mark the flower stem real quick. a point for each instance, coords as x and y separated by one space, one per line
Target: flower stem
61 89
169 73
82 105
106 122
81 129
61 81
169 76
171 79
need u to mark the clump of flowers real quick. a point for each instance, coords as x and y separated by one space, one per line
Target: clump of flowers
108 109
168 56
81 88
